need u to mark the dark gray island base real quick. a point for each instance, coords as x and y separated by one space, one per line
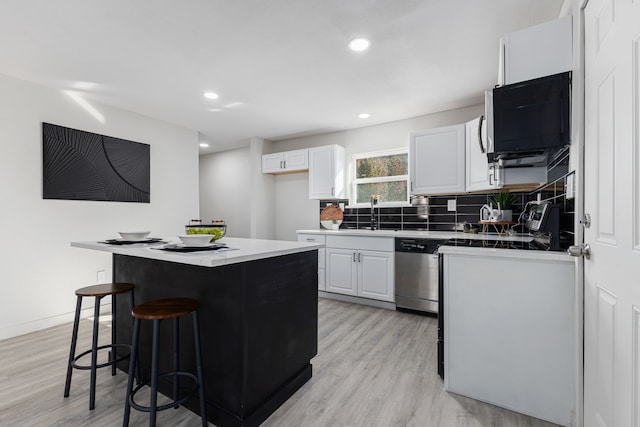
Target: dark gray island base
259 328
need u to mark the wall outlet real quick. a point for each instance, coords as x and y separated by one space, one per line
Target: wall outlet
451 205
101 277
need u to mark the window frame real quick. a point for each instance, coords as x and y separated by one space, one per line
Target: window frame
355 181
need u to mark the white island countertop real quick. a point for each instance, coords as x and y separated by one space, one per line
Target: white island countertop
238 250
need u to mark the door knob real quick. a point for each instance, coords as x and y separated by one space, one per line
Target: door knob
580 250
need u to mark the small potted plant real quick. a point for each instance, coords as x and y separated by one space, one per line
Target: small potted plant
504 202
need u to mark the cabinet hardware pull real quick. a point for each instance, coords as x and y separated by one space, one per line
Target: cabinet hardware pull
285 164
354 257
359 257
280 164
311 240
480 135
332 191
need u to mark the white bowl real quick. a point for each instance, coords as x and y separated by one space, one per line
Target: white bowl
195 239
133 235
330 225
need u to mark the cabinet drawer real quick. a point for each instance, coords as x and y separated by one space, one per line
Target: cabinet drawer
311 238
365 243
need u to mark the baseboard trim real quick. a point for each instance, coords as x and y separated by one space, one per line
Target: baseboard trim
357 300
48 322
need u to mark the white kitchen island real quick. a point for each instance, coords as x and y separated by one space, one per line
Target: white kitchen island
258 316
512 329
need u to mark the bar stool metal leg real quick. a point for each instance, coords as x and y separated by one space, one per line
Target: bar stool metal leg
94 353
112 353
153 405
196 332
72 352
133 365
176 359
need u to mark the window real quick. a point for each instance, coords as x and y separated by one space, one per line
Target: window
384 173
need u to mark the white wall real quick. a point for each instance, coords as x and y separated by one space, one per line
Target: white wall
277 206
40 271
225 190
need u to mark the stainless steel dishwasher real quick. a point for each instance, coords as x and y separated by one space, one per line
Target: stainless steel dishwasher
416 279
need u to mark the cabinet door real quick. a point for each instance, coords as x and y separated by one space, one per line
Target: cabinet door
477 164
326 172
437 161
538 51
375 275
296 160
272 163
341 271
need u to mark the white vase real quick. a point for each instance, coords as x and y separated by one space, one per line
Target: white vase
507 215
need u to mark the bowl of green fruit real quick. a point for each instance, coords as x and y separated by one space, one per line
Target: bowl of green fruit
217 229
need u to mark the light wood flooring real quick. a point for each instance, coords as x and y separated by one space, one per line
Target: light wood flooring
374 367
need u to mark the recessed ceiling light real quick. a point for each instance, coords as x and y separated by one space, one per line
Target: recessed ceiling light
359 44
364 115
211 95
204 145
215 110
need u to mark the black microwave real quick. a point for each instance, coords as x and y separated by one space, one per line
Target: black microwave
532 117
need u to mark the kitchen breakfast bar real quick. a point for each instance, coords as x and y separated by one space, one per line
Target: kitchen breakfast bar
258 319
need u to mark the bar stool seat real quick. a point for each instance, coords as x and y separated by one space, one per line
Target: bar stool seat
98 292
156 311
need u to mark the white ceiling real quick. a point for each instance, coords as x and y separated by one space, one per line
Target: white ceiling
281 67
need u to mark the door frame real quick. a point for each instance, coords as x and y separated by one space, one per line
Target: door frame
578 144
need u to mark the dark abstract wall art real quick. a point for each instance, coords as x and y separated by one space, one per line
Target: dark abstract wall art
79 165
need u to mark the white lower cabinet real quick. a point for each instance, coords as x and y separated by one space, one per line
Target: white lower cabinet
343 272
355 269
375 275
511 331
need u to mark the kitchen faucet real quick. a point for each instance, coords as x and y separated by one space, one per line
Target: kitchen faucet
374 202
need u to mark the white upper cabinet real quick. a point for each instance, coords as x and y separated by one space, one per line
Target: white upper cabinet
286 162
437 160
327 172
479 176
538 51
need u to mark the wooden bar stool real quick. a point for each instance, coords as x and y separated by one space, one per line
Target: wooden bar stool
99 292
158 310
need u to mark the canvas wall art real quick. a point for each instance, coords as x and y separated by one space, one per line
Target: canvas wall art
79 165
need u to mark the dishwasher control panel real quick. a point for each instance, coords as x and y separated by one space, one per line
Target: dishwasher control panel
421 245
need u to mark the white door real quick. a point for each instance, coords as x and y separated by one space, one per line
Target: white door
375 275
612 185
296 160
437 160
477 164
321 182
271 163
341 272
